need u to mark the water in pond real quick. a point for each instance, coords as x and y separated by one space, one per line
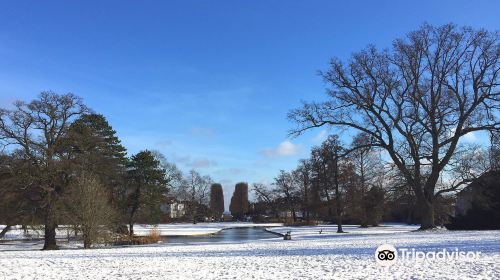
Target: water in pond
227 236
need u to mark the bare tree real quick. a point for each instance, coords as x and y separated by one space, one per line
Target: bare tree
90 209
326 161
37 129
288 188
195 191
266 195
367 165
303 175
416 101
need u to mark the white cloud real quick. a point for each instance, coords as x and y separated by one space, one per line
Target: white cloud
470 137
285 148
322 135
163 143
231 171
205 132
202 163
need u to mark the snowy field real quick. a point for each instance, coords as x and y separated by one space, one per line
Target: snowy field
309 255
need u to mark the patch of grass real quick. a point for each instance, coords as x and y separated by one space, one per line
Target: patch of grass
152 237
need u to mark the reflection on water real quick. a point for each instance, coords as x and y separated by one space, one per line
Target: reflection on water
228 235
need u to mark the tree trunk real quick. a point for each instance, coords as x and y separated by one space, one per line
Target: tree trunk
329 203
339 223
87 242
4 230
427 215
131 228
364 215
50 228
50 236
339 218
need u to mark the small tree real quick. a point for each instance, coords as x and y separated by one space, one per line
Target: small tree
90 209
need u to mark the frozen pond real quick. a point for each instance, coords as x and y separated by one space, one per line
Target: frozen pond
227 236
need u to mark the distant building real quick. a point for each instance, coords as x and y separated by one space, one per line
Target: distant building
173 208
227 217
477 205
288 214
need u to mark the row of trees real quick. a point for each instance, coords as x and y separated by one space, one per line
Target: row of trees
416 102
63 163
340 182
328 184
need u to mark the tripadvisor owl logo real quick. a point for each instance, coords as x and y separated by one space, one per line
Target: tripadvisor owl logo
386 255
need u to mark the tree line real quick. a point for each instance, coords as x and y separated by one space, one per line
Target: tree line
62 163
416 101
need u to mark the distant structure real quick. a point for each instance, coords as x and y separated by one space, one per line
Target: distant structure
217 201
239 201
477 205
173 208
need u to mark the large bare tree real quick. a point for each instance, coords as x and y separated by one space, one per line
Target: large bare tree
416 101
37 129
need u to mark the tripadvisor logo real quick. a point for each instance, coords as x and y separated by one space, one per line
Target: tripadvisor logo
387 255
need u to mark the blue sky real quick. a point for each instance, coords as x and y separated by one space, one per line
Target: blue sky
207 83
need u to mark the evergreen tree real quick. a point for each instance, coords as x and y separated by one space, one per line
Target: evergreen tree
147 185
217 201
93 142
239 201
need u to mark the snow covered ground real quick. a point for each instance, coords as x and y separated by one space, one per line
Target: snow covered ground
309 255
331 230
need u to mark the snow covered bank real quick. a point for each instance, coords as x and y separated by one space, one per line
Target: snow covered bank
322 231
329 256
